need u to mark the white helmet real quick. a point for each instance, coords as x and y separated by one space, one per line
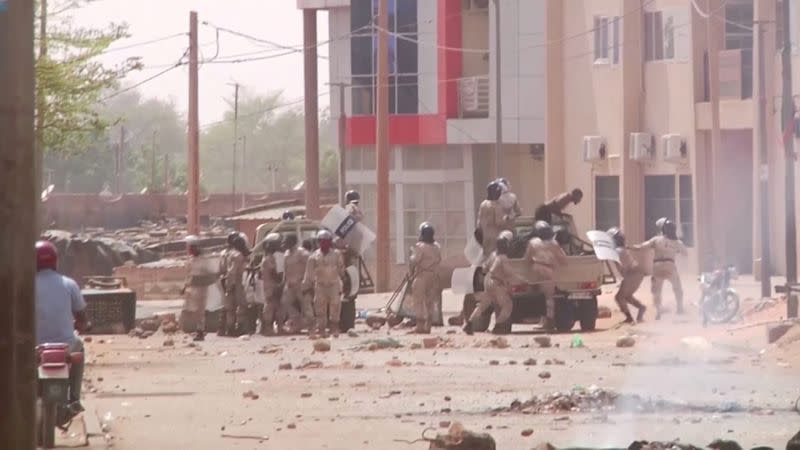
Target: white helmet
324 235
273 237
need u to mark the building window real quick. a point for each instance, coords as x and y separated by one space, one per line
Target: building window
659 201
606 39
606 202
739 25
686 208
403 56
441 204
659 34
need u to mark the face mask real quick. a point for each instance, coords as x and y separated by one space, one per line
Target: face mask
325 246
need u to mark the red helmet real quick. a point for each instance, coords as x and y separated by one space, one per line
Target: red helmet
46 255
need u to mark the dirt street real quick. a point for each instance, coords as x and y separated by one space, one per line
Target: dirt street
225 393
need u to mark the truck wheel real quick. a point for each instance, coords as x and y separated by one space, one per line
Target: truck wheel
347 319
588 314
565 315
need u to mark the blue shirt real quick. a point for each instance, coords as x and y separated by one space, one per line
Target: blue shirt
57 299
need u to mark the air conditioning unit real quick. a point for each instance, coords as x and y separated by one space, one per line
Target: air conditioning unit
675 149
642 147
594 148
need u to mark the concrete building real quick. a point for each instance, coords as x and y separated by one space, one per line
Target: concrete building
612 96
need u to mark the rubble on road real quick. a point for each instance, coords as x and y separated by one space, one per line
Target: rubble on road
459 438
379 344
321 345
626 342
310 364
543 341
250 395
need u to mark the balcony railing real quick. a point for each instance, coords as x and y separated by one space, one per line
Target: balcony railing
735 74
473 97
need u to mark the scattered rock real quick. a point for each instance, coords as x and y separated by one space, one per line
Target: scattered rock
543 341
527 432
359 366
135 332
548 362
458 438
603 312
380 344
626 341
269 350
544 375
305 395
512 363
333 399
499 342
376 322
244 337
87 339
285 366
529 362
558 362
235 370
352 334
149 325
415 346
310 364
455 321
322 345
170 327
444 424
494 362
251 395
447 398
291 426
394 363
168 342
545 446
430 342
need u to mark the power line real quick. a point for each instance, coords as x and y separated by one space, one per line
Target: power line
141 44
264 111
146 80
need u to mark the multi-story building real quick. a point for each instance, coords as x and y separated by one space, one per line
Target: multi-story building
617 97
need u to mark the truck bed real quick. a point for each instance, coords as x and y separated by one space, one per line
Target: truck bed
578 271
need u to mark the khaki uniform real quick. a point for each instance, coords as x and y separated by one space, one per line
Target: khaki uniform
491 222
664 268
199 277
497 290
511 210
324 272
353 210
546 257
235 304
293 293
632 277
424 264
272 292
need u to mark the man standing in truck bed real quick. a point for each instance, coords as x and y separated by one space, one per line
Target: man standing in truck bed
557 205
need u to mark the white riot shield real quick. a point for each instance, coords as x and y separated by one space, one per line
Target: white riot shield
214 300
345 226
211 295
507 200
461 281
473 251
604 247
355 280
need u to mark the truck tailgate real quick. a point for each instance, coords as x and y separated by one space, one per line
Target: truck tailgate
578 269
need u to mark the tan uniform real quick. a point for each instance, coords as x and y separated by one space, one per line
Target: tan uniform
199 277
511 210
324 272
272 292
497 290
491 223
353 210
632 277
546 257
235 304
424 264
295 263
664 268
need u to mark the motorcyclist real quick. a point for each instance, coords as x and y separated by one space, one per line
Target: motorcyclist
546 257
272 284
490 219
324 272
351 205
426 255
666 246
60 310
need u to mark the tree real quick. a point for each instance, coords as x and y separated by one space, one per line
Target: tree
70 83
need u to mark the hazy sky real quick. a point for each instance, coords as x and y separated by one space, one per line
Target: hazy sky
274 20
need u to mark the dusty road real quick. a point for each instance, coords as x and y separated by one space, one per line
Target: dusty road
716 385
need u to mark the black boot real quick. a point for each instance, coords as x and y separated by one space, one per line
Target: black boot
640 315
468 328
628 318
199 336
502 328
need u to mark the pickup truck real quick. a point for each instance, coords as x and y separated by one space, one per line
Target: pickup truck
577 283
356 269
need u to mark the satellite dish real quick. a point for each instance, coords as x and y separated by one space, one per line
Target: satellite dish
46 193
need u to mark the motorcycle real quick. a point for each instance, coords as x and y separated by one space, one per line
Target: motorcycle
53 390
719 302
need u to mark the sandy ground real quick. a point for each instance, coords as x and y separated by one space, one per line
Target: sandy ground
184 396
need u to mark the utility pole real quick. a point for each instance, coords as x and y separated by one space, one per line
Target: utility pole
382 149
194 131
715 185
311 92
763 174
119 163
244 169
153 163
342 139
235 144
19 200
498 93
41 98
788 142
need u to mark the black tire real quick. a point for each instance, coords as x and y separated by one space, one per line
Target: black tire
565 315
48 432
347 319
587 313
723 312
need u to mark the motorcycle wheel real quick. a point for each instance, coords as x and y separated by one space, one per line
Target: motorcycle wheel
723 308
48 424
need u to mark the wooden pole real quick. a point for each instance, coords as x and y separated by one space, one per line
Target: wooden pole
194 133
763 172
19 202
788 141
383 149
311 112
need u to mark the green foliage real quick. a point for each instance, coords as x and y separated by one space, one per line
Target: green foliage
71 83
